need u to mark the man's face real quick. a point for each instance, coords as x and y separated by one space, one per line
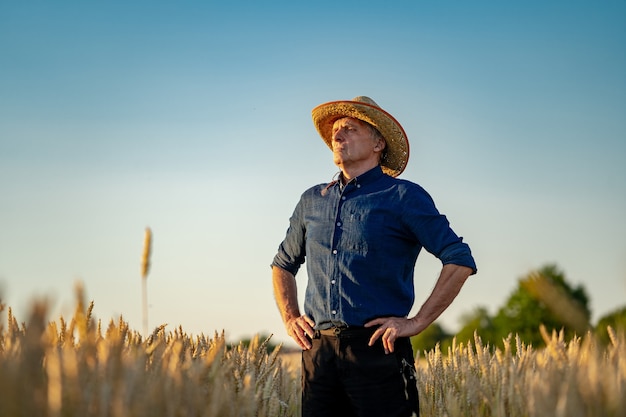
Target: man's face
354 144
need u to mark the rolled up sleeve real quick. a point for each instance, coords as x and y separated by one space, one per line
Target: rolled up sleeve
291 252
458 253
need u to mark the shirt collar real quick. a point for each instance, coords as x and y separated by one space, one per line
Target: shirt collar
365 178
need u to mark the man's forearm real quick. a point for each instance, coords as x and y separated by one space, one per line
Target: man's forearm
285 293
446 289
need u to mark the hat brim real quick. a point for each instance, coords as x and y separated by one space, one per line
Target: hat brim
397 157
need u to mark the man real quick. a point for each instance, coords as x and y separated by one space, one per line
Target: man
361 235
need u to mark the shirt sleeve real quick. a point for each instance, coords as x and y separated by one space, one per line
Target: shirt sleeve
432 230
291 252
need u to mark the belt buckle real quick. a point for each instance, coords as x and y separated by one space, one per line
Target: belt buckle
335 331
339 329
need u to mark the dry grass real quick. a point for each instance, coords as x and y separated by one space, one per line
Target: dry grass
566 379
77 368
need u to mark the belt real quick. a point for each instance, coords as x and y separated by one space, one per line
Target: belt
346 332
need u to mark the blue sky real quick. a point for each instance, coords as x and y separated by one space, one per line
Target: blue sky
193 118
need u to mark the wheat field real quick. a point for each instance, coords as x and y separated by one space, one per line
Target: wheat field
78 368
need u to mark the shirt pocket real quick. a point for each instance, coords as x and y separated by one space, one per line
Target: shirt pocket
364 231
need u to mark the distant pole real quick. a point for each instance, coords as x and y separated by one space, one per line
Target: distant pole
145 268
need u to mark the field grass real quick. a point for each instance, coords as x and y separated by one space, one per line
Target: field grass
576 378
78 368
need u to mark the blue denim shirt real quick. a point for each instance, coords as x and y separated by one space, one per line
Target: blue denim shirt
360 242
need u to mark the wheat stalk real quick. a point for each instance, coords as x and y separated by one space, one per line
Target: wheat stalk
145 268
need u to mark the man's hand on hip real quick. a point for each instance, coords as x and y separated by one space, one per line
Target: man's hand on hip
390 329
301 330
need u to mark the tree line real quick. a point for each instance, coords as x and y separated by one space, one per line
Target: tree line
542 298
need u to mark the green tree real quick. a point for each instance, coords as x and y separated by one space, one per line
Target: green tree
261 340
480 322
428 339
615 319
543 297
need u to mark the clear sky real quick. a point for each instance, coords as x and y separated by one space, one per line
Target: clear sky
193 118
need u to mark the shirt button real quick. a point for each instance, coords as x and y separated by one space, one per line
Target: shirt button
335 252
358 186
339 224
343 198
333 282
334 311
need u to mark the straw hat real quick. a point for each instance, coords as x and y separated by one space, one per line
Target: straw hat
366 109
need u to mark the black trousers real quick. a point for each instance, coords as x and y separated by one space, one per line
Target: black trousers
343 376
